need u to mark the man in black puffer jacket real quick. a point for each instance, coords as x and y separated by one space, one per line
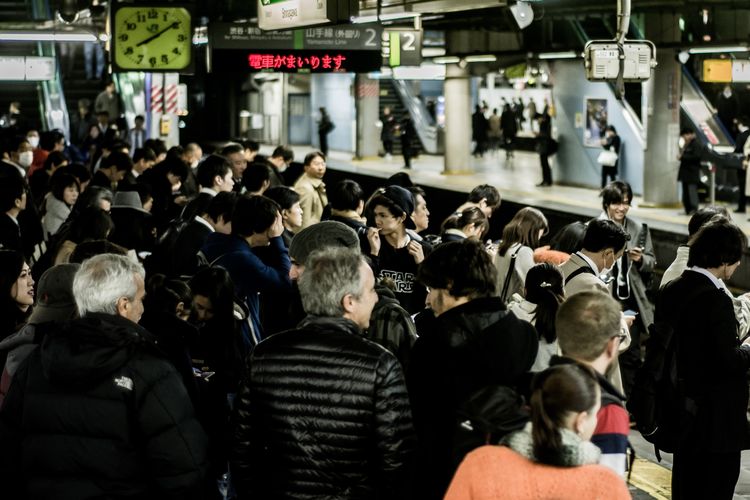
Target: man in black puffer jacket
96 411
323 412
467 341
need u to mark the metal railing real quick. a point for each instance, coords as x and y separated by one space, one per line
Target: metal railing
425 126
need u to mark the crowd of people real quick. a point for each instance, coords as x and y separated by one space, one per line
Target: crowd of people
181 325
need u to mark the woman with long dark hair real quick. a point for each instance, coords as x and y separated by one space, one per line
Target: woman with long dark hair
543 295
515 255
552 457
16 293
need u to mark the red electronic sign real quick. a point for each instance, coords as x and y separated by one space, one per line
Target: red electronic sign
296 61
332 62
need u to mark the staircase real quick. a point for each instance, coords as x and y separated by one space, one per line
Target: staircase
75 84
390 98
27 93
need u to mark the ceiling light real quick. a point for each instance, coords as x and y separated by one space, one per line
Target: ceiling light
447 60
715 50
46 36
384 17
482 58
558 55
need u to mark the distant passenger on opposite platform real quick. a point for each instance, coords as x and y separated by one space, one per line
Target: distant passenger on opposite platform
325 127
690 170
408 136
108 100
742 147
610 142
544 147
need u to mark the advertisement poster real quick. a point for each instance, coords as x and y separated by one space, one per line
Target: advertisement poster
596 122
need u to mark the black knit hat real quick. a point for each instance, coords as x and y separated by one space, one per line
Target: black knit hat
403 198
323 234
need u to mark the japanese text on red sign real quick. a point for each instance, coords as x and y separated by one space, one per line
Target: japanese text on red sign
277 61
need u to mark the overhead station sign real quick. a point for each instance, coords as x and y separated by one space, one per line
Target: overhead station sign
28 68
726 70
244 48
289 14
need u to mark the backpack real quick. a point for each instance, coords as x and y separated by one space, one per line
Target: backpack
657 401
487 416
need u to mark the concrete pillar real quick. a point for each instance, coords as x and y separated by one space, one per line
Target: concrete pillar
663 91
367 103
457 120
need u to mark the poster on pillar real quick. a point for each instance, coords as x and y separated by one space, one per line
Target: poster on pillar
596 121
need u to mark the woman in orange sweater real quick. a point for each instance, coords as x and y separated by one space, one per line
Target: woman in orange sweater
552 457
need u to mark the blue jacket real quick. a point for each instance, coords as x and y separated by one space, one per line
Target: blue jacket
251 274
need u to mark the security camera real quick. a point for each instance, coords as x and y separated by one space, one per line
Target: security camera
67 11
522 13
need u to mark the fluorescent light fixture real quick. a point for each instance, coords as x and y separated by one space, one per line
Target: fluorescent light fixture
447 60
433 51
716 50
393 16
482 58
46 36
558 55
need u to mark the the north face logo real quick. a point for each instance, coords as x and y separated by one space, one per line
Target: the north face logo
124 382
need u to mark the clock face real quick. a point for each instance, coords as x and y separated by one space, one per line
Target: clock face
152 38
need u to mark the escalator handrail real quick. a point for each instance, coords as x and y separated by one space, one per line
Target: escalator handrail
424 125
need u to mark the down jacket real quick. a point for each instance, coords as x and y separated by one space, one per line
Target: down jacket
95 412
323 413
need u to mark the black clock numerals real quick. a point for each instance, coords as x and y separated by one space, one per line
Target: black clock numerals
130 26
140 58
177 51
124 37
141 18
153 28
152 14
181 37
165 58
152 61
128 51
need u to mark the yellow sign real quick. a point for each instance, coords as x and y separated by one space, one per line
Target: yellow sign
717 70
165 125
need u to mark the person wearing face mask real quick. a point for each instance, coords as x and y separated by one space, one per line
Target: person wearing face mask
589 268
20 155
631 273
712 364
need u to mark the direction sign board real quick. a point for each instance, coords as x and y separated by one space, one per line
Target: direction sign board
289 14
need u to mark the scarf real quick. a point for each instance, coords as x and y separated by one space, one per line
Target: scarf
575 451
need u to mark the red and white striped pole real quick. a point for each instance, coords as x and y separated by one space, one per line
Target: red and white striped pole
170 99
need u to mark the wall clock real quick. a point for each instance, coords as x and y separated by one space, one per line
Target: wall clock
151 38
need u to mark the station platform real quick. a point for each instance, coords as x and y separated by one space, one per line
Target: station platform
516 180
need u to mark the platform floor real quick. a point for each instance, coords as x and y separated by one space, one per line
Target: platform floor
516 179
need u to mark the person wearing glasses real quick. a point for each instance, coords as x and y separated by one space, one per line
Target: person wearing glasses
588 328
631 273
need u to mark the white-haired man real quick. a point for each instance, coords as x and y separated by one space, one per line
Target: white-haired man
323 412
97 411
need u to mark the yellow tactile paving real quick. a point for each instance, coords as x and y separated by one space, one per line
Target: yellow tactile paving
652 478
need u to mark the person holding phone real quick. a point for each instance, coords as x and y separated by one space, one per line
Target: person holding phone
631 274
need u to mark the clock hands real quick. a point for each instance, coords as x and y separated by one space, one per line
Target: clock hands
173 25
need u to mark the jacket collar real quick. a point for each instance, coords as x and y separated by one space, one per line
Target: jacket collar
605 385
